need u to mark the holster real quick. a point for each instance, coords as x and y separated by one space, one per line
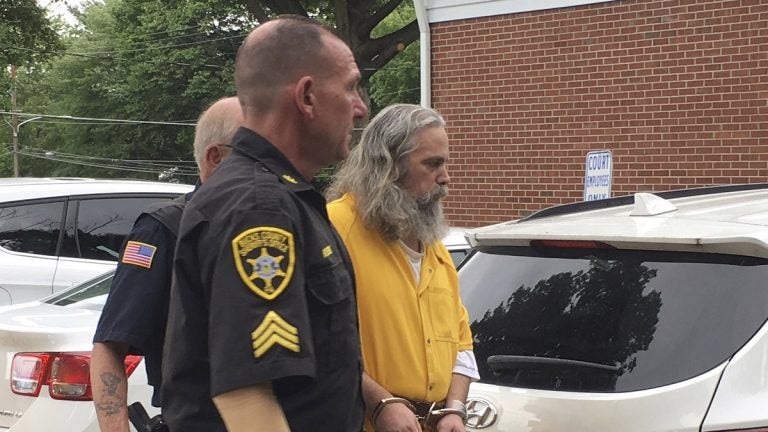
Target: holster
142 422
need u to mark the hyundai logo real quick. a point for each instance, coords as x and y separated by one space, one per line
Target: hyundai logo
480 413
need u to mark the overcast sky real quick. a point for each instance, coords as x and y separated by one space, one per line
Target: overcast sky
59 7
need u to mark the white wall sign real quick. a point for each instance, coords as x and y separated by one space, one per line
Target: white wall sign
598 175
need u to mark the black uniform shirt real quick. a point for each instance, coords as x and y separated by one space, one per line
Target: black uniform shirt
263 292
136 309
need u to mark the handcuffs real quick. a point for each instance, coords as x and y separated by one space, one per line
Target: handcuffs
433 415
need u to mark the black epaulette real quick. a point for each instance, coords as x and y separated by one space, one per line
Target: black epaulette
168 213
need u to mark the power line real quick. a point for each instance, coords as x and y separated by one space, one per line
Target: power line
93 119
397 92
171 31
177 170
118 58
163 47
142 161
137 61
169 37
106 123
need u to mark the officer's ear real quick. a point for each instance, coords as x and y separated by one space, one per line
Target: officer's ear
305 97
212 156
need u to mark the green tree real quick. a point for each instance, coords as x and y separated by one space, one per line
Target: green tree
398 81
166 60
356 21
26 33
143 60
27 36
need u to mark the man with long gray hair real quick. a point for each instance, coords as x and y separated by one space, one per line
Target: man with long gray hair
388 210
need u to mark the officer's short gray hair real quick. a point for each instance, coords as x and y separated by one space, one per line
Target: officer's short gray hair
214 126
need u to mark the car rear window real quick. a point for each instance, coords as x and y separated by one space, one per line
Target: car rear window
608 320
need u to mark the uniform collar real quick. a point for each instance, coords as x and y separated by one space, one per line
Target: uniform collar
257 147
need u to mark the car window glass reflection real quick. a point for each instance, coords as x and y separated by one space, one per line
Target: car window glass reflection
96 228
608 320
31 228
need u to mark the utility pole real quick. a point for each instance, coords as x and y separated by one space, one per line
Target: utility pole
14 123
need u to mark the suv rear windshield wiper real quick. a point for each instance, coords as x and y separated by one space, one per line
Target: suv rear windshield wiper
500 363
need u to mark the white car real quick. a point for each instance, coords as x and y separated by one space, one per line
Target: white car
644 313
46 350
456 243
57 232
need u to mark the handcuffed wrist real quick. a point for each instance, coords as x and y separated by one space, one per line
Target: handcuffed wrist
387 401
455 404
445 411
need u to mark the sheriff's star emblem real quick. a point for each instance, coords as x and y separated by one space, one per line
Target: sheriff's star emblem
264 258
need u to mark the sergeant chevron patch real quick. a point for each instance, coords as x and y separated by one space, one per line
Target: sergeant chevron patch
274 330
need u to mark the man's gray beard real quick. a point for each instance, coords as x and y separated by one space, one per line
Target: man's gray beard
419 219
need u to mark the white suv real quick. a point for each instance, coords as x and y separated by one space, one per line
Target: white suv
644 313
55 232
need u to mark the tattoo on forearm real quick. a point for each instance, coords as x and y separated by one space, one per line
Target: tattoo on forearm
111 381
109 402
110 408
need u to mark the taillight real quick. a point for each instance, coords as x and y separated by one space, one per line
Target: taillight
131 363
67 375
70 376
28 373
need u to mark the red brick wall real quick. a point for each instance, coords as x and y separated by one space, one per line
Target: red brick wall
676 89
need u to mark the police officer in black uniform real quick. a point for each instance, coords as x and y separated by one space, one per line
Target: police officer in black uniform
262 332
134 317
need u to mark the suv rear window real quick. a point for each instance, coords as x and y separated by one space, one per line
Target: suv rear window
608 320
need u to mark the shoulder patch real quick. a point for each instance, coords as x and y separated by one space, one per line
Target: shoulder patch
274 330
139 254
265 258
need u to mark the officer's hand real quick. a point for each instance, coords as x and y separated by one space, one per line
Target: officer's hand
451 423
397 417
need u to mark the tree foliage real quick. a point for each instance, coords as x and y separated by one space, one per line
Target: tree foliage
355 20
132 59
27 37
398 81
166 60
26 33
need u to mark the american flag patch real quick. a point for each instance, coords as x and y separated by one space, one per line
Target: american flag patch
139 254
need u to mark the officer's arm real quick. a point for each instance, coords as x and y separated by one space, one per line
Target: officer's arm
109 385
244 408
